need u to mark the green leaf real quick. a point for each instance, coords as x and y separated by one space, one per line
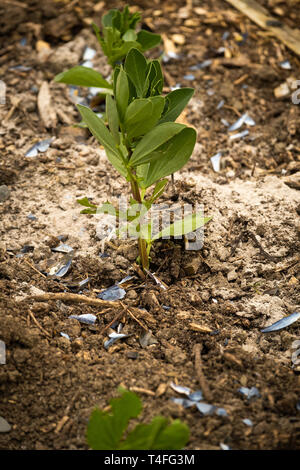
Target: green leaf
91 208
172 437
177 101
169 158
148 39
102 134
157 435
98 128
83 76
188 224
85 202
158 106
122 93
136 66
108 18
152 140
118 53
144 435
158 83
130 35
113 118
105 430
135 122
158 190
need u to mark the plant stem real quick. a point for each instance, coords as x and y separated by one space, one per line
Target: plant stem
141 241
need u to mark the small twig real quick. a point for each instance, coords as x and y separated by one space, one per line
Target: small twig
133 316
199 371
160 283
111 323
38 325
32 267
74 298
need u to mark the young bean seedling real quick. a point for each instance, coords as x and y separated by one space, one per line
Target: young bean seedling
118 35
108 430
144 145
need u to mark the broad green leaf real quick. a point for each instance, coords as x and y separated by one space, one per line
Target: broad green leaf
135 66
112 117
116 162
83 76
148 39
177 101
122 93
105 430
187 224
169 158
158 106
135 122
157 435
152 140
101 431
98 129
102 134
144 436
172 437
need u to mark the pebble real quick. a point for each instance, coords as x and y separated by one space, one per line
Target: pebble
4 425
4 193
232 275
193 266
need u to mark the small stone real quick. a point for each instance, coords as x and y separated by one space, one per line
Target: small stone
232 275
77 344
282 91
193 266
4 425
132 355
4 193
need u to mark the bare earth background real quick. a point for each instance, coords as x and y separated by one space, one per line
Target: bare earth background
245 277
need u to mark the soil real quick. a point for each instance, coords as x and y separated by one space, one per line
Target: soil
245 277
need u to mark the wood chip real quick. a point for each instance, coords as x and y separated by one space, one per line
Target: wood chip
161 389
178 39
260 16
45 107
200 328
142 390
